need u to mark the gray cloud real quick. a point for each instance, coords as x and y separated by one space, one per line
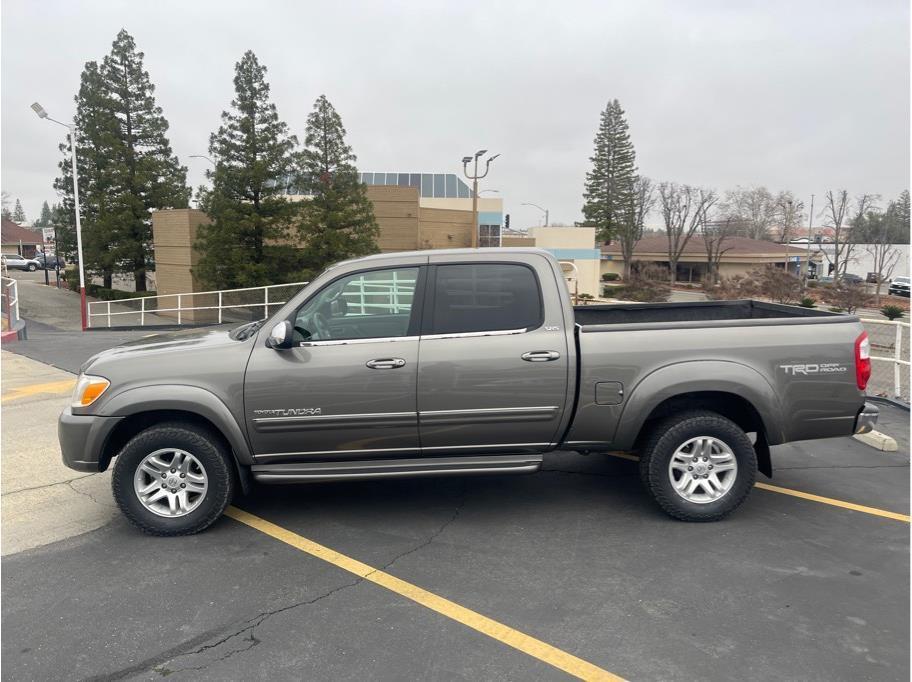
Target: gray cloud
794 95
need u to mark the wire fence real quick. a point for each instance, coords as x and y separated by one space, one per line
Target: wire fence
889 358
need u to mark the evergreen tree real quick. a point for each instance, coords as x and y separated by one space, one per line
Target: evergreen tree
18 213
250 211
609 191
338 220
98 146
147 175
44 219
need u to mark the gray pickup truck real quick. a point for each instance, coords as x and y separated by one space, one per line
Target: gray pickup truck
462 362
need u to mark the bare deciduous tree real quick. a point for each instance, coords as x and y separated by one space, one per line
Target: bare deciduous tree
631 230
878 234
684 211
837 208
715 234
752 210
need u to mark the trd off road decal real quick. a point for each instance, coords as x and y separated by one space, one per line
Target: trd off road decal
291 412
814 368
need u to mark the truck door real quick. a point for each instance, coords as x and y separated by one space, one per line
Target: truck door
493 371
347 387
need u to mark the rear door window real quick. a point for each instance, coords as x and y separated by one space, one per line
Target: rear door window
483 297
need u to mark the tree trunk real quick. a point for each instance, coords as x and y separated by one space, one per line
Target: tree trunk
139 276
107 280
626 269
673 274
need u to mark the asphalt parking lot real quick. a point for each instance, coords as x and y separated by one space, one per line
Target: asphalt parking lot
571 571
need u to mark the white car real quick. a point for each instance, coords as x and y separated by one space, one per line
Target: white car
17 262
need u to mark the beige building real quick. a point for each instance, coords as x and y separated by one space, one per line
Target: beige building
741 255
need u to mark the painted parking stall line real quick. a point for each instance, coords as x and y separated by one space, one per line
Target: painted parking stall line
529 645
50 388
874 511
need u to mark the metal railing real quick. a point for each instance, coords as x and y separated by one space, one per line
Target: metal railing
11 302
892 341
205 307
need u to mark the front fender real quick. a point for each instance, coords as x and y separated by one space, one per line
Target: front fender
697 376
192 399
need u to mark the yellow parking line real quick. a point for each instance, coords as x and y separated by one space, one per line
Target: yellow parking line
487 626
809 496
836 503
52 387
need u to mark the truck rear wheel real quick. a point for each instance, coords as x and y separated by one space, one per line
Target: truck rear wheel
698 466
173 479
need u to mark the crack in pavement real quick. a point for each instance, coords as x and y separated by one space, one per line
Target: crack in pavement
50 485
86 494
247 629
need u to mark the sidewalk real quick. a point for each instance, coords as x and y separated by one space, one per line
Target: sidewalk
41 500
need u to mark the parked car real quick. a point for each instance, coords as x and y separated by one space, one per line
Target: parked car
849 278
874 277
826 279
899 287
47 262
17 262
463 362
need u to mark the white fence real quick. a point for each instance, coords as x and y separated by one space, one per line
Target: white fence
888 347
206 307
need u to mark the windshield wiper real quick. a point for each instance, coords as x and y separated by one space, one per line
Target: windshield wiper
245 331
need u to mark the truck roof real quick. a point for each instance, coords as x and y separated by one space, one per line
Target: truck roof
451 252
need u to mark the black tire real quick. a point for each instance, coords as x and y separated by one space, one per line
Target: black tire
202 444
668 436
32 267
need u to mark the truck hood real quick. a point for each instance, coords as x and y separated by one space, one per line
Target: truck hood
164 343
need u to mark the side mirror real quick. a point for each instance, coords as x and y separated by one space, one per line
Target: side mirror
280 336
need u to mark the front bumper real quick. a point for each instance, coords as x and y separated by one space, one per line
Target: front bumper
866 419
82 439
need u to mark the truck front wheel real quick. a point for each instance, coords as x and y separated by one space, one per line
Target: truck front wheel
173 479
698 466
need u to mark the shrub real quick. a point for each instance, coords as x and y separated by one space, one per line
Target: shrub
835 309
813 284
610 277
808 302
846 296
647 284
585 298
777 284
892 312
733 288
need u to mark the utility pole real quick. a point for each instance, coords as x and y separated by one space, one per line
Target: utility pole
475 177
807 266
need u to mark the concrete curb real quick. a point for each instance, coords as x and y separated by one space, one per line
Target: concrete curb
877 440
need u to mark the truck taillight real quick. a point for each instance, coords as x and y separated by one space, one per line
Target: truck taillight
862 360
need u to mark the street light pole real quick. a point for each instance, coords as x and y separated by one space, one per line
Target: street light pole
543 210
475 177
807 266
71 127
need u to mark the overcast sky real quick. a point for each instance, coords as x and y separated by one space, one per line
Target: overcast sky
802 95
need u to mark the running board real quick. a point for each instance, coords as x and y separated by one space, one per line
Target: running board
395 468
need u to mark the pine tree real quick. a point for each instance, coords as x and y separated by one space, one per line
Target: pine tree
98 148
609 191
44 219
338 220
18 213
147 175
250 211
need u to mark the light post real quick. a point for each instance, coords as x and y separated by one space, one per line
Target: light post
543 210
475 177
71 127
807 267
201 156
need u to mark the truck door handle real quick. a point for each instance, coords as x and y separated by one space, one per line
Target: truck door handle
540 355
386 363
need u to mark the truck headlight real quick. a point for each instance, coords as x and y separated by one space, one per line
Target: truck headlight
88 389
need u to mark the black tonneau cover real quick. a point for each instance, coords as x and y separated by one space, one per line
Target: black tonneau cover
689 311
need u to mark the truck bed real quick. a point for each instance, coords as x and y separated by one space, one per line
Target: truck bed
699 313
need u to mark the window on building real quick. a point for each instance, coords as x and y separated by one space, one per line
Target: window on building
451 185
484 297
439 185
489 235
427 185
392 178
